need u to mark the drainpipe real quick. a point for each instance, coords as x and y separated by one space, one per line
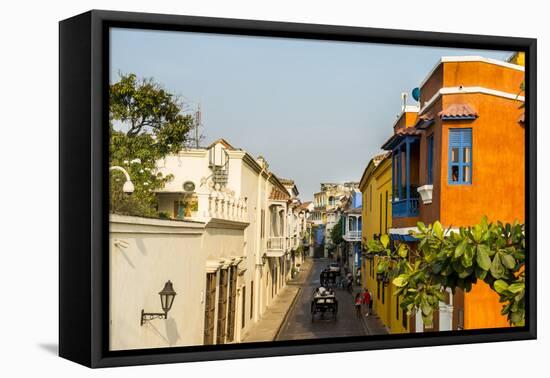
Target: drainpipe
258 258
258 287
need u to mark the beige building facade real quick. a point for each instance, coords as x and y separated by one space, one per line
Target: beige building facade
227 244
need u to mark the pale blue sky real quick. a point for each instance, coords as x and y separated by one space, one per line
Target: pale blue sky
316 110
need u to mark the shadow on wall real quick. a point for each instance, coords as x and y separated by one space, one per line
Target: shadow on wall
125 255
141 246
172 334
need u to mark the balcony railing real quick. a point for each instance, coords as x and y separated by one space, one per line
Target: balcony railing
283 243
405 208
353 235
276 242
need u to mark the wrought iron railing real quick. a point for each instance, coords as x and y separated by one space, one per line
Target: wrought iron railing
405 208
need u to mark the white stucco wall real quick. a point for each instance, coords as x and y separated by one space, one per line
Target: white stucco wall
188 165
158 250
144 254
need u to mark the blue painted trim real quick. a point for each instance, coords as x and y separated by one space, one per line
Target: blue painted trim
459 118
430 172
399 172
461 139
404 238
408 169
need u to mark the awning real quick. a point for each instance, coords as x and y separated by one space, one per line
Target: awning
425 120
458 112
399 135
404 238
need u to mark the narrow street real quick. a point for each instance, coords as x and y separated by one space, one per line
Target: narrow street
298 324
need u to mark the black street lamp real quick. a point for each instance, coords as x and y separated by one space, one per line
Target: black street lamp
167 295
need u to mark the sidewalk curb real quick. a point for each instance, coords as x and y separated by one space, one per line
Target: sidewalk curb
285 318
365 326
291 307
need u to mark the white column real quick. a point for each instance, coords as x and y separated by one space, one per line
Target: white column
203 203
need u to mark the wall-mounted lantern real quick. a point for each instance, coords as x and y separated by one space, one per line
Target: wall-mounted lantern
264 258
167 296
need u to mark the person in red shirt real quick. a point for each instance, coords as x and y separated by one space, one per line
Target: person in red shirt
358 301
367 302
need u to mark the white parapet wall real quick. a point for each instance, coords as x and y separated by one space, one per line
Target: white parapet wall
144 254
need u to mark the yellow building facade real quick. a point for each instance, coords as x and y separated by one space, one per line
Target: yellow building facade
376 189
518 58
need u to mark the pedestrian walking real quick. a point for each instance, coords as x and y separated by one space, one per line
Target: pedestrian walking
367 301
358 305
349 278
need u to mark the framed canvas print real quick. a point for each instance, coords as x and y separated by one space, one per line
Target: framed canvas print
234 188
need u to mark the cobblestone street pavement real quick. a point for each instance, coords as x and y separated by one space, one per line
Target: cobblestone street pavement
298 324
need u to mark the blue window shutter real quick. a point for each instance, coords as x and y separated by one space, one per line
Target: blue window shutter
466 137
461 139
454 137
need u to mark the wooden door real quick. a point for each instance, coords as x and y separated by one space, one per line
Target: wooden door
232 304
222 307
209 308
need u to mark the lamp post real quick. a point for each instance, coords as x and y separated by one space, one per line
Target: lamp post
167 295
128 186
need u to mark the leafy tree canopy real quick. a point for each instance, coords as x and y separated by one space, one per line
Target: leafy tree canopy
146 124
490 252
336 232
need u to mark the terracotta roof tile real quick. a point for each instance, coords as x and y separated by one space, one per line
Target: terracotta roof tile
399 133
409 131
278 195
305 205
458 111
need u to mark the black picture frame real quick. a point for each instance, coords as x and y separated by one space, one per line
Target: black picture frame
83 196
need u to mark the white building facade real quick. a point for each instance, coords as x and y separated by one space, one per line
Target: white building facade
227 273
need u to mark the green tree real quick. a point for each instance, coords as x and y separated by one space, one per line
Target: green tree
491 252
146 124
336 232
521 91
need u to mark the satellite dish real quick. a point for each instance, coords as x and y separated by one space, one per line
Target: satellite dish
416 93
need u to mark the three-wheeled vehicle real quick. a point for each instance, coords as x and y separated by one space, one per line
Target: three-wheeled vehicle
324 303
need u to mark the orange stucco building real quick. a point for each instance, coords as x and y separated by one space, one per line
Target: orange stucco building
463 157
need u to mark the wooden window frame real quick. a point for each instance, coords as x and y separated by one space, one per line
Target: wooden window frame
251 299
243 306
